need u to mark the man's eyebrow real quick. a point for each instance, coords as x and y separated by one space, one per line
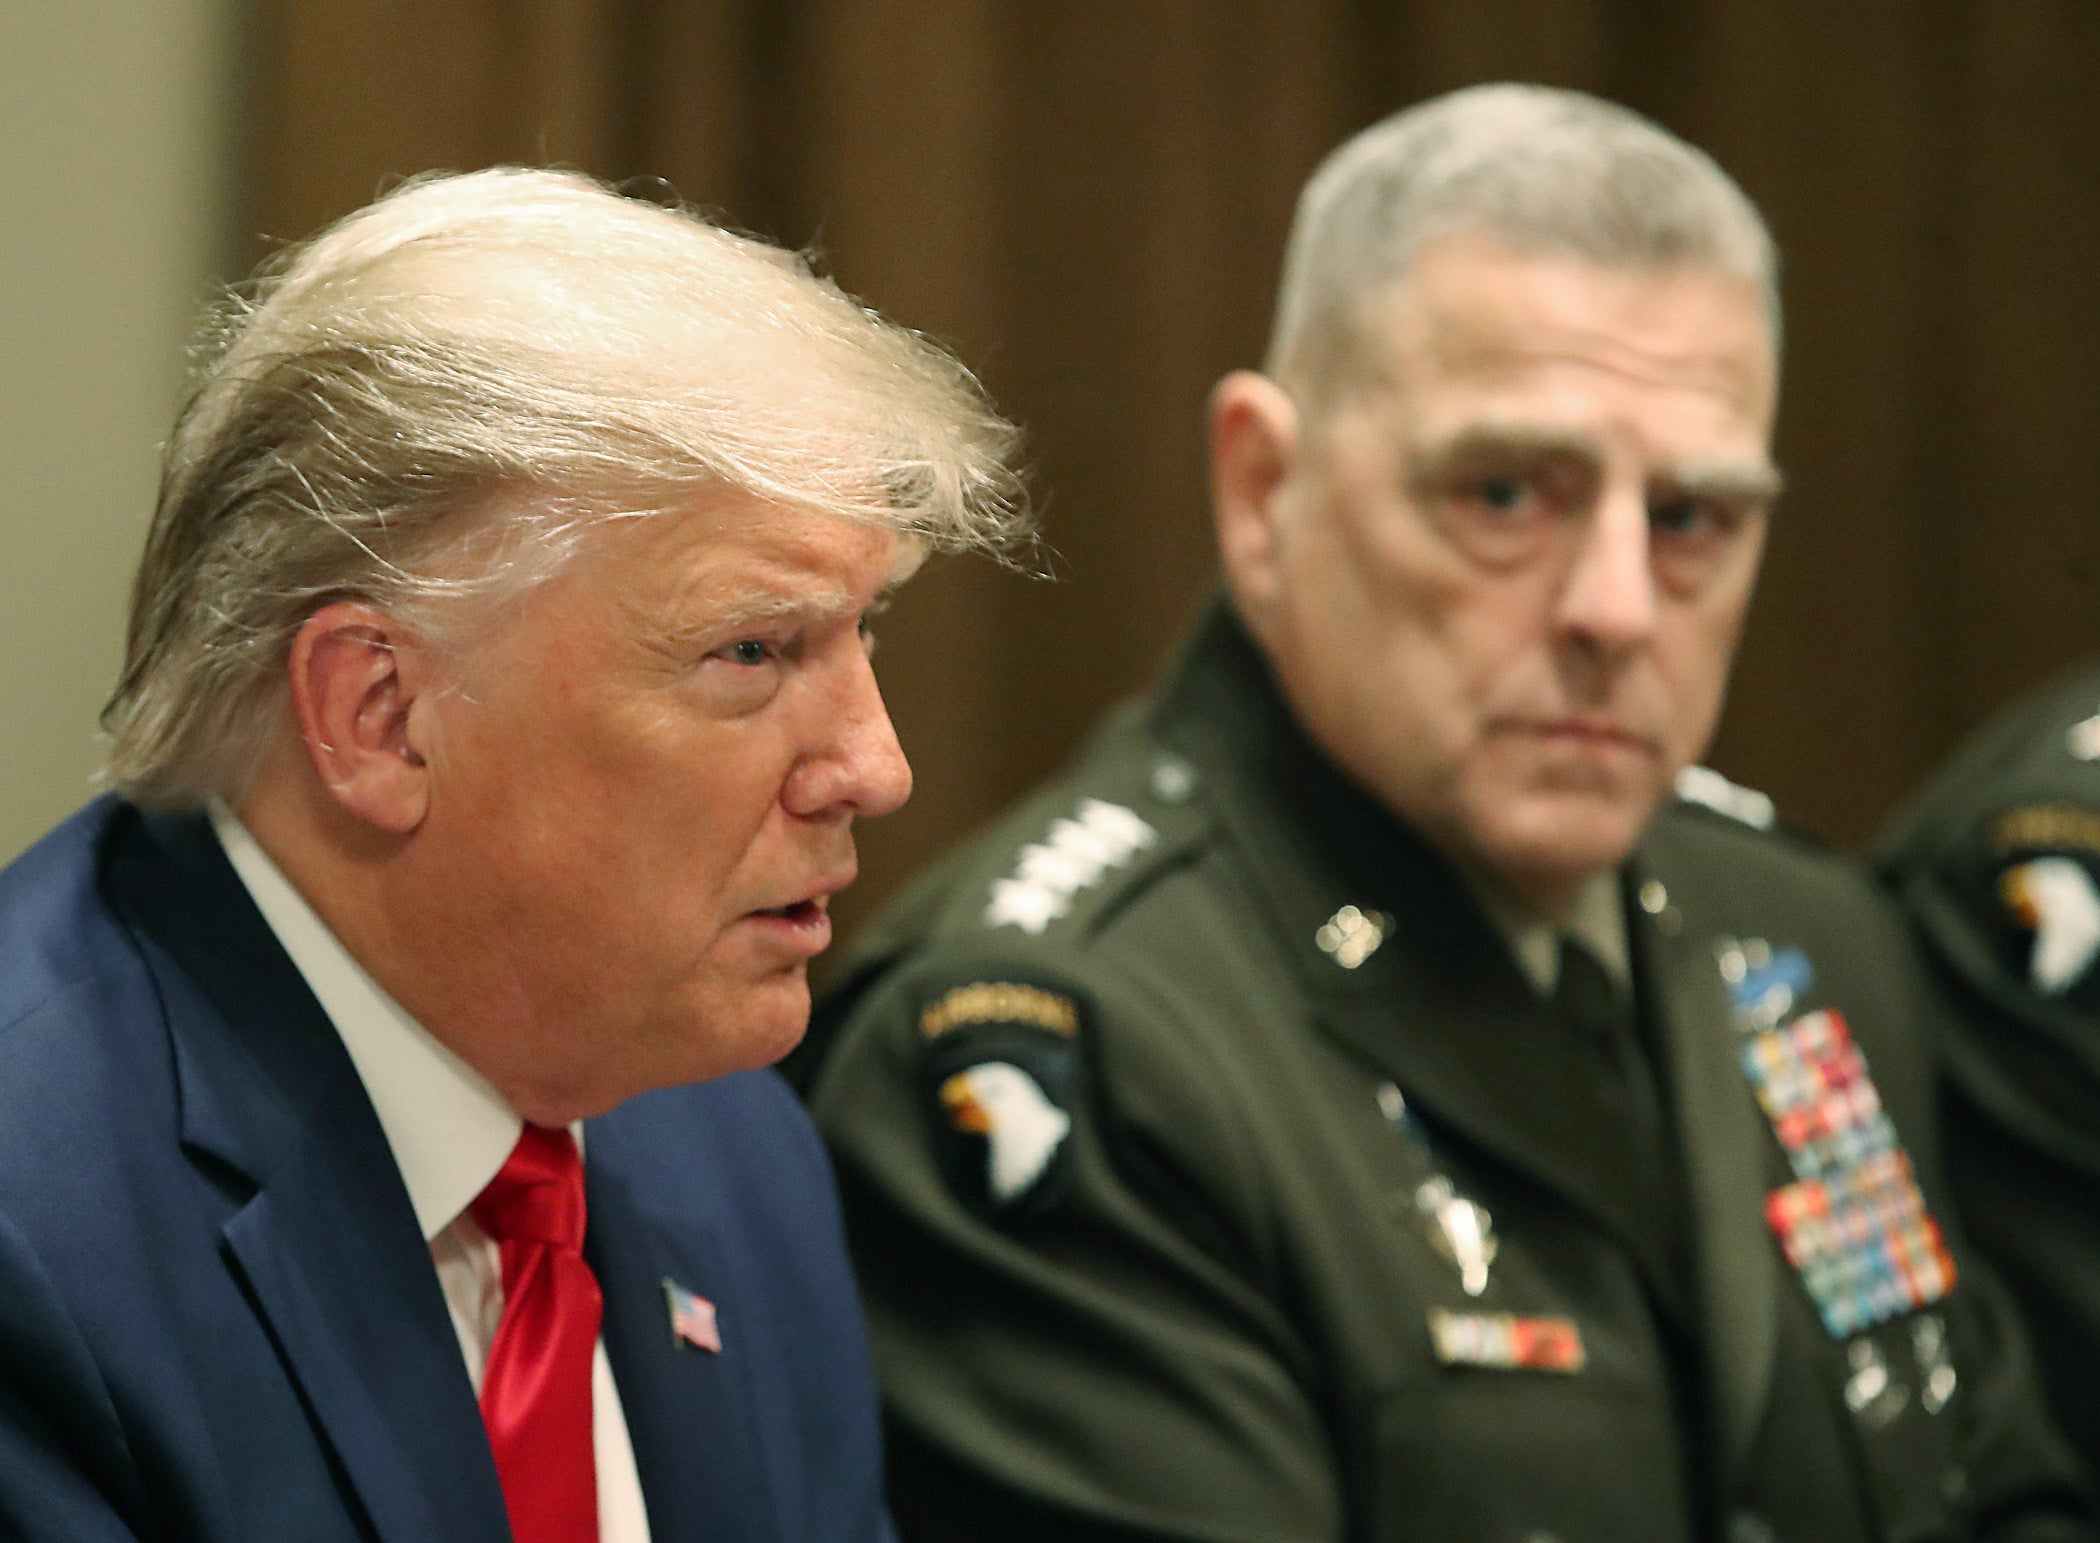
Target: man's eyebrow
751 610
1750 482
1746 481
1523 441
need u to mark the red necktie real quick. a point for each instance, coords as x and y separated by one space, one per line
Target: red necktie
536 1393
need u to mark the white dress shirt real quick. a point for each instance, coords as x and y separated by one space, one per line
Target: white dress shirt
450 1132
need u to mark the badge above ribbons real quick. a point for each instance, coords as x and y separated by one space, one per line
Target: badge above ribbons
1853 1224
999 1067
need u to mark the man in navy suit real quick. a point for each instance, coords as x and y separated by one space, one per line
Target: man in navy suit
386 1149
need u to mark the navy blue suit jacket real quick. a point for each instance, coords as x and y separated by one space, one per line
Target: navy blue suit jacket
219 1319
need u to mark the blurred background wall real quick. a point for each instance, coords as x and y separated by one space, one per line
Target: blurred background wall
116 214
1088 201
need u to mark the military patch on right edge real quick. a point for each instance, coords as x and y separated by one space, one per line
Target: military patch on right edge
1853 1224
2043 859
999 1069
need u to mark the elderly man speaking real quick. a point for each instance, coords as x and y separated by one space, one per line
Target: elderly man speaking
496 714
1356 1101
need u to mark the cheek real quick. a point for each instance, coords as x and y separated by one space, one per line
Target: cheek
1696 655
1495 644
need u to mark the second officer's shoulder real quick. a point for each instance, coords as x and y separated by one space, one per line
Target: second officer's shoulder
1708 809
1029 897
1997 859
2042 752
1050 873
1046 990
1732 843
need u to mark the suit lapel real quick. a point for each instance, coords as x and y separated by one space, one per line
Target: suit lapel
692 1414
381 1370
326 1244
1724 1141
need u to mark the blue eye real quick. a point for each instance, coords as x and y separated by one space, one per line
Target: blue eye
748 651
1501 493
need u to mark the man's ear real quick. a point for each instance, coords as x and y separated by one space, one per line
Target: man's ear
1253 449
358 680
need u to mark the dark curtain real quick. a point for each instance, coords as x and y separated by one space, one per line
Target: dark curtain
1088 201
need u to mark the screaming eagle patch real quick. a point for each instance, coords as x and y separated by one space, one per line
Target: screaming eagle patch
2044 868
999 1066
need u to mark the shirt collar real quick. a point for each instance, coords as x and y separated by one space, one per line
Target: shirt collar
448 1128
1596 919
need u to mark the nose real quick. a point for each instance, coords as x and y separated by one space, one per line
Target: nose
1607 604
855 765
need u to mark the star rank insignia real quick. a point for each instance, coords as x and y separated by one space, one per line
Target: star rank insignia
1074 853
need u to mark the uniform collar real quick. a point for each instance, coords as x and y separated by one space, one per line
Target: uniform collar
1324 842
1399 961
449 1130
1596 919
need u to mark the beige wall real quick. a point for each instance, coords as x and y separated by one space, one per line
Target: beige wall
114 184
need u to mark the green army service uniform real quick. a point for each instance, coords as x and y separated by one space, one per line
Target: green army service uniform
1998 863
1213 1174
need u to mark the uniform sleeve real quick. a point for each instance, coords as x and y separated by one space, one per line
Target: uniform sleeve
62 1453
2023 1482
2001 884
1083 1342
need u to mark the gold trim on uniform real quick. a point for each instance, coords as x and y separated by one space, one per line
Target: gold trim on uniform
999 1001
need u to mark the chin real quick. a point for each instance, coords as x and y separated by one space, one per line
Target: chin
1570 833
764 1024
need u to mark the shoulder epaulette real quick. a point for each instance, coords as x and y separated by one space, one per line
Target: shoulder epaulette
1707 788
1098 848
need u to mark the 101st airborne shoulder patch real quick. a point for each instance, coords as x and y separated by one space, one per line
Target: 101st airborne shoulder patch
999 1067
2048 900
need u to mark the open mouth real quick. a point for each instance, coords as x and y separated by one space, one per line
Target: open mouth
803 929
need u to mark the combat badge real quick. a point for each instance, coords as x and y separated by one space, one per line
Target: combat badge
1459 1229
1000 1067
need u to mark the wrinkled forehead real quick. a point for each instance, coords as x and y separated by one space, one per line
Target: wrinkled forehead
1469 311
736 551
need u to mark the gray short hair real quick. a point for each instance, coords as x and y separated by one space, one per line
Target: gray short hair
439 396
1539 169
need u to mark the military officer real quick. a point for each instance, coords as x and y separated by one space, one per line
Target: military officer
1996 862
1340 1106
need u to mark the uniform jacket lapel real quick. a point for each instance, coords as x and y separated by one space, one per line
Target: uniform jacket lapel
321 1234
1439 1006
1724 1143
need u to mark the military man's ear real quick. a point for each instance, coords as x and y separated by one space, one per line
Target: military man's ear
1253 449
361 688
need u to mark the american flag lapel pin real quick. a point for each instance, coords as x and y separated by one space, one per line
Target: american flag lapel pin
692 1318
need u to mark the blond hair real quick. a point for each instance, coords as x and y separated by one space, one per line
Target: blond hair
358 408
